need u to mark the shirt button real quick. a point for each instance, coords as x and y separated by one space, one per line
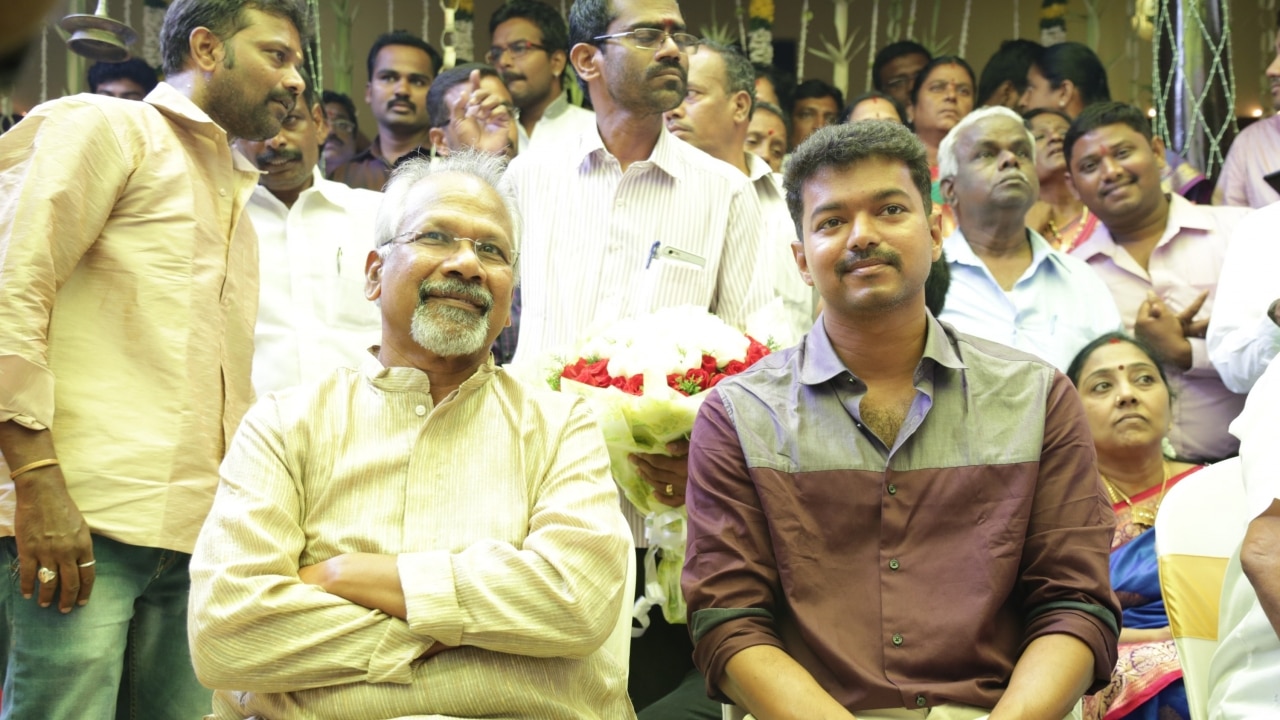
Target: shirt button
420 410
920 701
893 489
893 564
222 192
897 639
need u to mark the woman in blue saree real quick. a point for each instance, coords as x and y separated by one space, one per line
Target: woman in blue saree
1126 400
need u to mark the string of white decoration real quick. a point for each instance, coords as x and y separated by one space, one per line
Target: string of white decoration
391 15
911 20
804 38
128 6
871 46
964 26
1016 24
426 19
44 63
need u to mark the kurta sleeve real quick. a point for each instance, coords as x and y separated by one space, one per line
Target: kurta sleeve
730 578
61 170
557 593
1065 568
253 624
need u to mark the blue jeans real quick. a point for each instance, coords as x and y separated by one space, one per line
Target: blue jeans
124 655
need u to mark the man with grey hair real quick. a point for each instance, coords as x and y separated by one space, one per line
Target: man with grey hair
128 291
714 117
484 572
962 565
1007 283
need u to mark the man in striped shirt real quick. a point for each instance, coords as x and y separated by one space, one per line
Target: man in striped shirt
627 219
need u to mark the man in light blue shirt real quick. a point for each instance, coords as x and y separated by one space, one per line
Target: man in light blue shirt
1007 284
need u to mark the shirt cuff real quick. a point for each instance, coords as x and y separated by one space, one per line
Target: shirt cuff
1087 627
725 638
392 660
26 392
430 595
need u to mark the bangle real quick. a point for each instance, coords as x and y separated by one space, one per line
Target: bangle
32 466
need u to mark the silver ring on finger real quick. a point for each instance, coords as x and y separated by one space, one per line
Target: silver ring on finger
46 576
91 563
669 490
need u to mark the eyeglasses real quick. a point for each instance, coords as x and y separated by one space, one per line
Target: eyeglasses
343 125
652 39
518 49
441 244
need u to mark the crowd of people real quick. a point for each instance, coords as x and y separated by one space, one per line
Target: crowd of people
274 450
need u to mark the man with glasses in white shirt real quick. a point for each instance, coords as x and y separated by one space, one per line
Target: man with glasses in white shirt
598 209
530 51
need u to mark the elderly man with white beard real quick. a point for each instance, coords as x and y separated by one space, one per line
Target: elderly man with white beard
1007 284
424 536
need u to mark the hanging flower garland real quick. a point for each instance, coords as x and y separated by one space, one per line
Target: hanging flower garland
1053 22
760 36
465 23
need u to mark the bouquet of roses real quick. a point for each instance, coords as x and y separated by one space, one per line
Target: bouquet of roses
645 379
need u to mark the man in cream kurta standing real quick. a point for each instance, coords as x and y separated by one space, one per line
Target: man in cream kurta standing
313 235
128 290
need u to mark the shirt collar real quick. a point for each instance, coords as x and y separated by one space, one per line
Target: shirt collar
410 379
959 251
557 107
168 100
665 155
1183 215
757 167
819 362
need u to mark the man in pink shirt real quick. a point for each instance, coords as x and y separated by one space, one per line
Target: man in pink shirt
1254 154
1160 256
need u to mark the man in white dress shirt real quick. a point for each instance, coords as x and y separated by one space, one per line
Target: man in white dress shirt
627 219
530 50
313 235
1244 330
1007 284
1244 674
714 117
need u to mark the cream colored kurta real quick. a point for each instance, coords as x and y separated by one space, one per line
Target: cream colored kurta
500 508
128 291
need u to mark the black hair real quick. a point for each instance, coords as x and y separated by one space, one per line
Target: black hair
403 37
1077 363
589 19
135 69
555 34
843 145
891 52
1100 115
1077 63
1029 115
332 96
739 75
783 115
1008 64
934 63
815 88
873 95
224 18
937 284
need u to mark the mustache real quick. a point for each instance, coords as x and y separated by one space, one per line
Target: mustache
284 97
402 101
510 76
883 254
664 66
270 155
456 288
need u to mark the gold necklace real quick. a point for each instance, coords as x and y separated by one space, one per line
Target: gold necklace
1142 515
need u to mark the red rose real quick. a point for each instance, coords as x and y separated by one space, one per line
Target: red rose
708 363
756 350
715 380
618 382
699 376
574 371
597 374
673 380
734 367
635 385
